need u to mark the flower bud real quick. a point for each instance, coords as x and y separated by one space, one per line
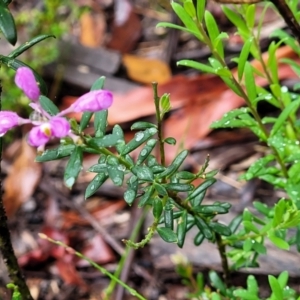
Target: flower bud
8 120
93 101
26 81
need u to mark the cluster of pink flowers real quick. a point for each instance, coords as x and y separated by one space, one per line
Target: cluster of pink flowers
53 126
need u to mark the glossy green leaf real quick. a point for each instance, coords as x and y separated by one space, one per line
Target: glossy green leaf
249 226
98 84
73 167
250 82
116 174
7 24
95 184
245 295
288 111
53 154
210 209
181 28
178 187
22 48
272 63
142 125
146 151
190 8
202 187
167 234
139 138
283 279
262 208
85 120
169 218
170 141
196 65
220 228
132 189
48 105
157 208
200 10
175 165
143 173
252 285
217 282
247 246
186 19
161 190
196 201
182 229
250 16
213 32
199 238
146 197
100 123
275 287
165 104
185 175
14 64
278 242
203 227
235 223
98 168
259 248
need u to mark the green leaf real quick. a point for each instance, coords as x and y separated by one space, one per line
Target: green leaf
116 174
203 227
146 197
73 167
288 111
250 16
157 208
48 105
132 189
262 208
200 10
245 295
15 64
247 246
182 229
244 57
98 84
100 123
24 47
259 248
186 19
160 189
202 187
213 32
283 279
196 65
249 226
275 287
142 125
190 8
85 120
7 24
235 223
143 173
272 63
210 209
53 154
95 184
139 138
170 141
278 242
174 166
250 82
165 105
169 217
185 175
178 187
146 151
217 282
199 238
220 228
167 234
181 28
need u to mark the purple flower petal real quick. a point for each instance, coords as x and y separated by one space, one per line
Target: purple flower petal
26 81
93 101
39 135
60 127
8 120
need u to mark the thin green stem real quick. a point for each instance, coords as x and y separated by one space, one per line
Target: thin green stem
99 268
109 290
159 123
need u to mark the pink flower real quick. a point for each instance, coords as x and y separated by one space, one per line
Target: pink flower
56 127
26 81
93 101
8 120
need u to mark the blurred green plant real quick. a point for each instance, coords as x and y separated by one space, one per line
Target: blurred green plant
54 17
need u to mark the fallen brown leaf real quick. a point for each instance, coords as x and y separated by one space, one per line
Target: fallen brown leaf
22 179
